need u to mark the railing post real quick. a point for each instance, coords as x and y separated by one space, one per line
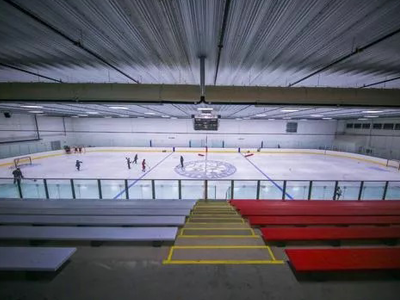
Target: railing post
179 189
334 190
360 191
126 189
232 189
284 190
206 190
46 190
258 190
99 187
385 190
153 189
310 190
73 189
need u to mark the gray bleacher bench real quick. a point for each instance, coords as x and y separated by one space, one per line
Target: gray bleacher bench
34 259
96 211
92 220
102 234
40 203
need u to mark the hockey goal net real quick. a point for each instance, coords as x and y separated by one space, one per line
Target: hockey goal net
22 161
393 163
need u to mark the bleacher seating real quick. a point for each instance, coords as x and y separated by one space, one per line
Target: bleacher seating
323 220
316 212
97 211
329 233
59 219
103 234
344 259
37 259
97 207
97 220
313 204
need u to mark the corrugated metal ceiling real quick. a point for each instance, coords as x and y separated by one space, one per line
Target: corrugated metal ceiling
267 42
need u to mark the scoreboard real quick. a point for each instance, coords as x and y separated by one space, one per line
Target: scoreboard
205 123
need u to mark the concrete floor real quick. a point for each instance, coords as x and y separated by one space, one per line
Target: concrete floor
137 272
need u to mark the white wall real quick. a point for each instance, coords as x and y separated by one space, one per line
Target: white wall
382 142
167 132
163 133
23 127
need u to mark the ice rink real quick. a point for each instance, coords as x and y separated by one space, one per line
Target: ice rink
223 165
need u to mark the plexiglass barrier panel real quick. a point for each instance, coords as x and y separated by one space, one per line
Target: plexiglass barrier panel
8 189
166 189
349 190
322 190
220 189
33 188
113 189
271 190
59 188
245 189
86 189
192 189
373 190
297 190
393 191
140 189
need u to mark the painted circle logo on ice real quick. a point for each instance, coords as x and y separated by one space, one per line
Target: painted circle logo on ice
210 169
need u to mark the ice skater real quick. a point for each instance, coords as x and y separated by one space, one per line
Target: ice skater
338 193
135 159
78 164
128 162
182 160
144 165
17 175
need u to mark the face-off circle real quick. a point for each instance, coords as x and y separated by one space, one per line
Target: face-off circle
210 169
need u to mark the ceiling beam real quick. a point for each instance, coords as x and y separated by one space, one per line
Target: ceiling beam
147 93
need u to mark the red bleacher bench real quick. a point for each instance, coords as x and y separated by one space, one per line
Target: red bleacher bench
313 203
344 259
324 220
330 233
319 211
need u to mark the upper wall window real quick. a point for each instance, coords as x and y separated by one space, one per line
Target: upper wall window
357 125
291 127
388 126
397 126
366 126
349 125
377 126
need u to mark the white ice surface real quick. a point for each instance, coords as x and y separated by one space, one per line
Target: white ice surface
276 166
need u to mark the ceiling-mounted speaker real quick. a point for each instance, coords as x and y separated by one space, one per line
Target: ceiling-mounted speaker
7 115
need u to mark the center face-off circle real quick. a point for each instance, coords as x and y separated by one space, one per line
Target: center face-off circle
210 169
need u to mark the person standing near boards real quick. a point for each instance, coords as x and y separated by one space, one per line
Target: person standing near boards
78 164
135 159
338 193
182 161
128 161
17 175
